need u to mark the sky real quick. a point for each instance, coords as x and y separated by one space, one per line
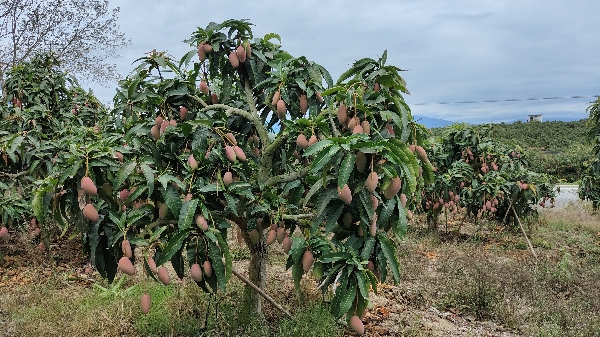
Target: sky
453 51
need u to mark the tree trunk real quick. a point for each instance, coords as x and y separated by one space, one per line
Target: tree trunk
257 274
432 227
251 306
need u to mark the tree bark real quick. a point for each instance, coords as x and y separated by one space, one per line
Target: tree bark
251 306
257 274
432 227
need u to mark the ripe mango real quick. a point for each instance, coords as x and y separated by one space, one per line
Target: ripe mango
3 232
152 265
357 129
281 108
227 178
192 162
281 234
230 153
183 112
233 60
301 141
241 53
88 186
90 213
239 153
145 303
214 98
307 260
163 276
204 88
357 325
155 132
201 222
276 97
303 104
196 272
361 161
345 194
287 244
207 267
366 127
403 199
271 237
126 249
393 188
126 266
313 139
372 181
342 113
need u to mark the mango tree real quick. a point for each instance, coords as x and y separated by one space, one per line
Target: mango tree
239 135
589 188
43 109
483 177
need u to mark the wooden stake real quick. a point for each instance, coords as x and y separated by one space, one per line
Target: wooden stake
261 293
525 234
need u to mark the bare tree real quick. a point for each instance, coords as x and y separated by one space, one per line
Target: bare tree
83 34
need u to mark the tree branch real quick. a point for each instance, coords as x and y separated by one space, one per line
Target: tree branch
335 130
279 141
284 178
198 100
297 216
151 226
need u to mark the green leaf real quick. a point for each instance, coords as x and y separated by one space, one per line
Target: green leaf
231 203
386 212
317 147
373 280
324 157
399 227
166 178
348 297
332 218
389 253
173 246
334 257
365 199
315 187
172 199
123 173
186 215
217 264
297 272
346 169
361 280
367 248
297 249
149 174
227 255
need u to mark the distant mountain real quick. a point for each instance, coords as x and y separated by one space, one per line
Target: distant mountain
432 122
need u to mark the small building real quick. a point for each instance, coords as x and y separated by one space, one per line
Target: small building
534 118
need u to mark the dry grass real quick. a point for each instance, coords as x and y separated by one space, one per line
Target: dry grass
465 284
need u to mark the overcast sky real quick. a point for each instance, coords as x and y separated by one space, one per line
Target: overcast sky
453 50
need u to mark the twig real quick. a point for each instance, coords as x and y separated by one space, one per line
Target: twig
525 234
261 293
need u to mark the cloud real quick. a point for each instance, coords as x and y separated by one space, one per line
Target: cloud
470 50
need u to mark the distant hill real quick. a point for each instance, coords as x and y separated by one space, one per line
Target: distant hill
432 122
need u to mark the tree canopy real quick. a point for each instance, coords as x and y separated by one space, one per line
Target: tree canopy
82 35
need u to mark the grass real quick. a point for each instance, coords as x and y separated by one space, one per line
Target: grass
59 308
495 278
490 278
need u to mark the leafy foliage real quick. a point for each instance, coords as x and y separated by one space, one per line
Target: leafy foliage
589 189
195 149
483 175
